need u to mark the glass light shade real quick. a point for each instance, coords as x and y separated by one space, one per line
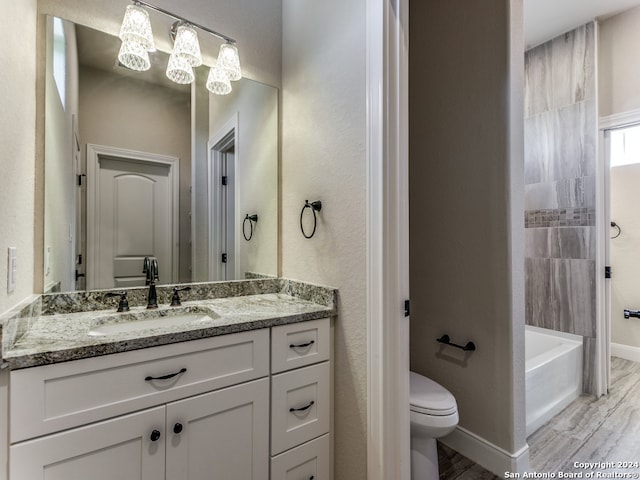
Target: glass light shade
133 55
218 81
179 70
136 27
229 60
186 45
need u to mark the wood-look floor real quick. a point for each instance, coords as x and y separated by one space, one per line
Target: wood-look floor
588 430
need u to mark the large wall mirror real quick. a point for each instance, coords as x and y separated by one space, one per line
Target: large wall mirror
137 166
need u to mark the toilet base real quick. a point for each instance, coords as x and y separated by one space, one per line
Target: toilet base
424 459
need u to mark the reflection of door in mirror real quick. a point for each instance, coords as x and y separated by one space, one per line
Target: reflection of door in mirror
222 204
131 215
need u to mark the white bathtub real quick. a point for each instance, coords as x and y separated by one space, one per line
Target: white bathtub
553 366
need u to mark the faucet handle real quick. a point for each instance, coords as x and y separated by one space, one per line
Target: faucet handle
123 304
175 299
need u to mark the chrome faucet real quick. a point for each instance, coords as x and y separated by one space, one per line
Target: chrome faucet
150 267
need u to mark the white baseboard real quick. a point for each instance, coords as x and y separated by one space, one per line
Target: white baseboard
625 351
486 454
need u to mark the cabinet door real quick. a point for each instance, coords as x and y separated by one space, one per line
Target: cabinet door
222 434
121 449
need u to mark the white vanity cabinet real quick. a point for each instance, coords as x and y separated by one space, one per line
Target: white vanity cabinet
301 401
73 420
196 410
223 434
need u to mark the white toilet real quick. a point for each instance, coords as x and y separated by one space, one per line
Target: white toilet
434 413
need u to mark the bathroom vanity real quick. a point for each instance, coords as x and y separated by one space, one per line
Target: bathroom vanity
239 386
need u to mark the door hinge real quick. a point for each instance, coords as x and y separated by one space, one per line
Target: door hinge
607 272
407 307
80 178
224 180
224 258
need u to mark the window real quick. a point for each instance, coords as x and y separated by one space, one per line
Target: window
60 59
625 146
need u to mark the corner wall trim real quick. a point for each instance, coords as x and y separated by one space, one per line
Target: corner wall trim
625 351
486 454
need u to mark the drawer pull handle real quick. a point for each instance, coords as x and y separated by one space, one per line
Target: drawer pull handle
165 377
302 345
177 428
155 435
302 409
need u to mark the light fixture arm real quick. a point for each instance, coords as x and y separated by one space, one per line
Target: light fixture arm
177 17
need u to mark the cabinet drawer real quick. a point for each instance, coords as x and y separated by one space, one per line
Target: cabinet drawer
300 404
308 461
299 344
56 397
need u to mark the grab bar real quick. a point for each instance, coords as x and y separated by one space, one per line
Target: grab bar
469 347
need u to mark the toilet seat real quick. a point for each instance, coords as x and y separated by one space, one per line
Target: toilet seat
430 398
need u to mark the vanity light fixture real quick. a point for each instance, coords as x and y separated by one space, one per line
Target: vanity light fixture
137 41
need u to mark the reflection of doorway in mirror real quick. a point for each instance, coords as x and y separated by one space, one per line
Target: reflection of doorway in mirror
132 209
222 203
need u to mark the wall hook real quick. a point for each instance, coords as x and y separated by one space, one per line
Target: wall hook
314 207
251 219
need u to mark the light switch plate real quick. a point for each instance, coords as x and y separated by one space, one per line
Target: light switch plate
12 266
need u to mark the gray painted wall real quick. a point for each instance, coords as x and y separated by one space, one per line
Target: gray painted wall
466 230
560 167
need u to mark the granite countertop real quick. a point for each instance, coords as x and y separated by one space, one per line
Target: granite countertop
70 336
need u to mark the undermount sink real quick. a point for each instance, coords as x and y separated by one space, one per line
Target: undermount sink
146 320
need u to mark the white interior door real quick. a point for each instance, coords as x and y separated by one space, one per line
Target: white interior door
134 215
223 152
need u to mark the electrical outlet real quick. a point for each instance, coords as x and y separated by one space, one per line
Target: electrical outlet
12 267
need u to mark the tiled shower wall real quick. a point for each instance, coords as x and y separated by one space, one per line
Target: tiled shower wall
560 165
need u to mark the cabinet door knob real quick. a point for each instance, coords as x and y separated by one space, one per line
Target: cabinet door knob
177 428
155 435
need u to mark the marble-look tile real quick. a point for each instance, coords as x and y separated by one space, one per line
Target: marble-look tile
572 303
566 193
573 74
559 295
537 292
538 80
574 151
539 146
572 242
589 365
536 242
560 242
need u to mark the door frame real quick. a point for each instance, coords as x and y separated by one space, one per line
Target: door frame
94 153
603 210
214 190
387 143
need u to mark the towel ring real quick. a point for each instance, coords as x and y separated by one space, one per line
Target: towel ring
616 226
315 207
251 219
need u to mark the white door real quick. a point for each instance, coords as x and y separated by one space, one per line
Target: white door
222 434
121 449
222 203
133 215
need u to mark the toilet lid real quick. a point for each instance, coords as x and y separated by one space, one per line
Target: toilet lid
430 398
